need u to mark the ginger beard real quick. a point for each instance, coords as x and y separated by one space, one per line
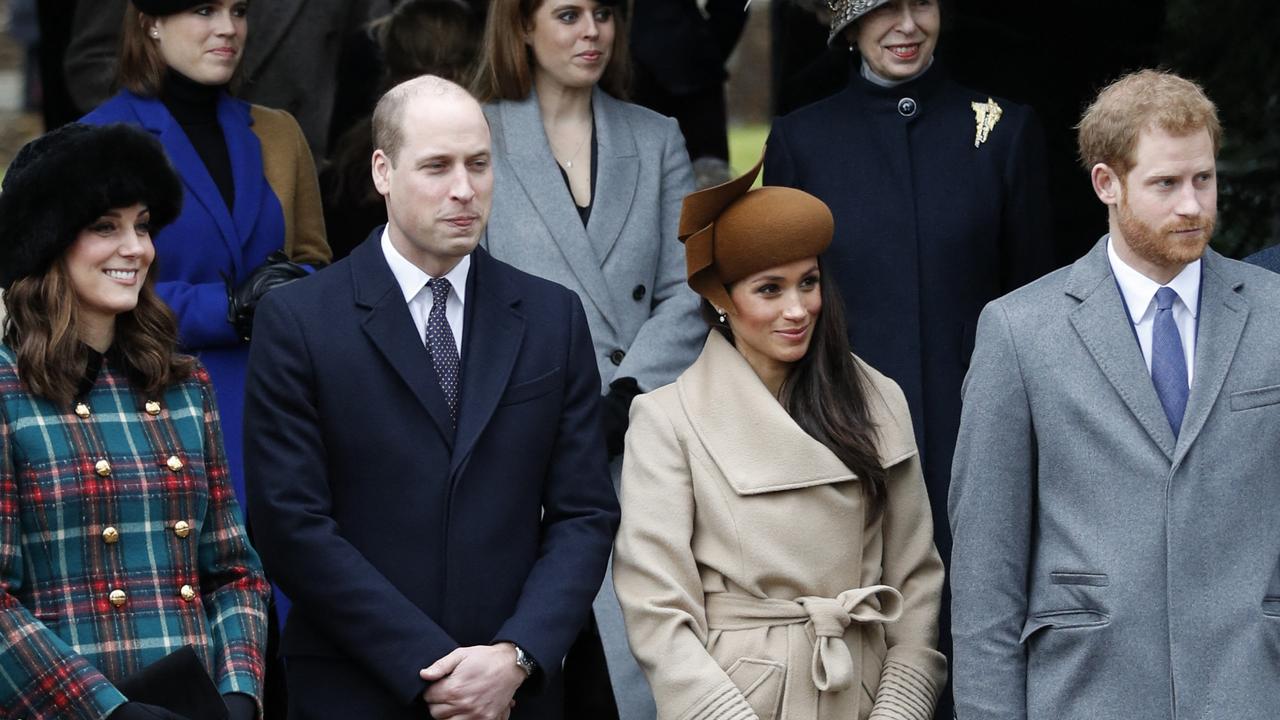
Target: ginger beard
1169 244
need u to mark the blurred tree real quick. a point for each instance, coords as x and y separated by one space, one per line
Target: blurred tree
1231 48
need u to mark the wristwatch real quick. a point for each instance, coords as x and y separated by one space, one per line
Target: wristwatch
525 661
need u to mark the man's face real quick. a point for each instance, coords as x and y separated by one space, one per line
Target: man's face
439 187
1168 201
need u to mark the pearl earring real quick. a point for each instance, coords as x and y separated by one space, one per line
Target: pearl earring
723 319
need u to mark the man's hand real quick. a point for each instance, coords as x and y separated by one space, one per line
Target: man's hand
473 683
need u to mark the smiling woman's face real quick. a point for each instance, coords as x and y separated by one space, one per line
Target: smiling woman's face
898 38
777 311
108 263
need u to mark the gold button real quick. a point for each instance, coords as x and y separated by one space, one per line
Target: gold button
153 407
110 535
188 593
82 410
103 468
174 463
117 597
181 529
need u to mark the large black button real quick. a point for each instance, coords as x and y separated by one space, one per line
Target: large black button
616 356
907 107
638 293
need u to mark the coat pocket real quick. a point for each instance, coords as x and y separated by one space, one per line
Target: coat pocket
1062 619
531 389
760 682
1079 578
1271 607
1260 397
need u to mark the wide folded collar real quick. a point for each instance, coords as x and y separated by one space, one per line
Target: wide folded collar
757 446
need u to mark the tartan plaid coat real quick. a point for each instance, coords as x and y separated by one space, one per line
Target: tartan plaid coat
120 542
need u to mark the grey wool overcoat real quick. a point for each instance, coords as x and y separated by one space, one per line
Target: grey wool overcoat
1102 567
626 265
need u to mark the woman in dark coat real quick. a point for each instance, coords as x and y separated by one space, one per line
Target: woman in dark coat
940 200
120 538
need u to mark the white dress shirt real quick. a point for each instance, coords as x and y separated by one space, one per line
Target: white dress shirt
413 283
1139 292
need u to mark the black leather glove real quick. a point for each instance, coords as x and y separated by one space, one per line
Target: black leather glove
143 711
240 706
242 301
615 410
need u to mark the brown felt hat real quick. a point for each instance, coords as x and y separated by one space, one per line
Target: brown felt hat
731 232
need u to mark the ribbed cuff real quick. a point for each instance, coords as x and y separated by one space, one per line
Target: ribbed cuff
724 703
905 694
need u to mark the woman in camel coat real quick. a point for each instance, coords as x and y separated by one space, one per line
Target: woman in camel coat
776 557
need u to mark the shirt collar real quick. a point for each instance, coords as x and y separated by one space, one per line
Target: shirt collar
1139 290
412 279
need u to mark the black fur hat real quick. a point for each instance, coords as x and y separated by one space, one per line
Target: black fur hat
64 180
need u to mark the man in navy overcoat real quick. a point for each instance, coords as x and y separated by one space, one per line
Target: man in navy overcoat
425 468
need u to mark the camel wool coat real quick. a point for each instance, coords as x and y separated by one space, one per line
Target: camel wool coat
753 581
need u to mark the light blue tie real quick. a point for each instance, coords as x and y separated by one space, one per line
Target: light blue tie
1168 364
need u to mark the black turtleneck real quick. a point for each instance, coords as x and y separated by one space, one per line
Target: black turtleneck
195 107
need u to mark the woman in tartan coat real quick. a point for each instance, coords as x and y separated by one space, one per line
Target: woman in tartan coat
120 537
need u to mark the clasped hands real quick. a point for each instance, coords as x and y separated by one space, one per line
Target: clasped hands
473 683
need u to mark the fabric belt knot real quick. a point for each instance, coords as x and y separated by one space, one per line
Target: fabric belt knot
832 664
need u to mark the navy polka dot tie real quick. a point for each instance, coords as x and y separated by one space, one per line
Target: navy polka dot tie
441 343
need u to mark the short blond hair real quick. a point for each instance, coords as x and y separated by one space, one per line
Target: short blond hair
1109 129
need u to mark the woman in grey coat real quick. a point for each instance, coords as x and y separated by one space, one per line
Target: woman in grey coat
588 193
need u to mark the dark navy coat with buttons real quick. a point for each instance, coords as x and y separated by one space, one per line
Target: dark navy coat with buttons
930 225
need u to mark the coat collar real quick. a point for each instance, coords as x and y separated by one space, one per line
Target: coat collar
529 153
493 335
1104 327
751 438
244 151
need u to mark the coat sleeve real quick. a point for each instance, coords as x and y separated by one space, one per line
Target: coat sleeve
305 240
41 676
914 672
1026 233
670 338
779 166
201 310
579 515
656 576
233 587
89 63
990 509
287 483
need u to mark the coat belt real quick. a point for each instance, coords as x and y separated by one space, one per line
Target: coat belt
832 664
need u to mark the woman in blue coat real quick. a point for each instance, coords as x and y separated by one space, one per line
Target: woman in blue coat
251 215
940 199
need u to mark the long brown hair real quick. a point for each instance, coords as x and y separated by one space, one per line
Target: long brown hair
505 68
42 330
827 373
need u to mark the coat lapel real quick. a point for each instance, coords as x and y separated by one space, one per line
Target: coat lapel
618 170
390 328
195 176
1223 313
245 151
1103 325
529 154
749 435
492 335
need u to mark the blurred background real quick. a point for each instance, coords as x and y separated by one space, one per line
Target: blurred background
1051 55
